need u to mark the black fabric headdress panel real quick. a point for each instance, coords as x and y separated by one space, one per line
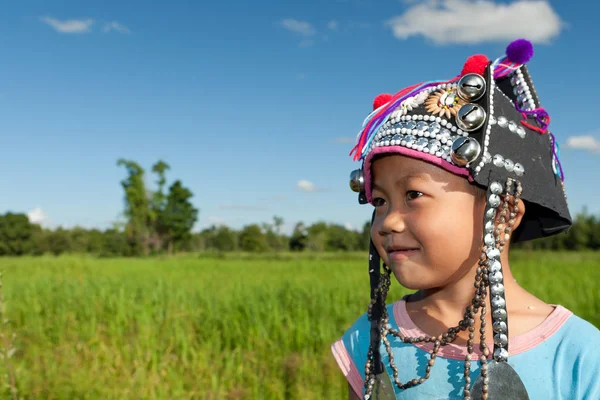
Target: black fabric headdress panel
511 141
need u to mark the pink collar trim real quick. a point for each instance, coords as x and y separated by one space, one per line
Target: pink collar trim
518 344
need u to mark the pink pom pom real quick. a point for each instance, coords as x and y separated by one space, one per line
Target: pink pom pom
520 51
381 100
475 65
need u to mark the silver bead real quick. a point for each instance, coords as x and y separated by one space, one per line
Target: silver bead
357 180
495 277
502 121
489 227
518 169
496 187
487 157
498 160
497 289
494 200
500 354
498 302
499 327
410 125
434 128
491 213
509 165
495 266
489 239
521 132
422 126
499 314
422 141
500 339
492 120
512 126
470 117
493 253
471 87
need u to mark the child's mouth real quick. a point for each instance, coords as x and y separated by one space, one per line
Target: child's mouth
401 254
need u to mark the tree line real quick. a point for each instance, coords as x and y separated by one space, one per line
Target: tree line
159 221
18 236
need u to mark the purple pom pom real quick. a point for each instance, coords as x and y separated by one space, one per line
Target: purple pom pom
520 51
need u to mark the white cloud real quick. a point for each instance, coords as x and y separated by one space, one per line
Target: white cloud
349 226
302 28
116 26
589 143
333 25
465 21
306 186
37 216
70 25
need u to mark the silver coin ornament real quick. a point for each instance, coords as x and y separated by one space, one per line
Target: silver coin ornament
383 389
470 117
357 180
471 87
465 150
503 383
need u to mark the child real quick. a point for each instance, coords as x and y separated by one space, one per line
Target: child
456 171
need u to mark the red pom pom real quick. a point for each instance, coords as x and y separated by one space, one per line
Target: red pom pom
475 65
381 100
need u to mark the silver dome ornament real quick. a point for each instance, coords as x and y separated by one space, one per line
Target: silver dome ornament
465 150
470 117
357 180
471 87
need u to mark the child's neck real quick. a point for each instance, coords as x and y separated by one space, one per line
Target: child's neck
436 310
448 303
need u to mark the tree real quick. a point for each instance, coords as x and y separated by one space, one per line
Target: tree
252 239
224 239
157 206
340 238
178 217
16 232
275 240
137 208
299 236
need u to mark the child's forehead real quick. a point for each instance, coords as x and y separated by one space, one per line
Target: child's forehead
398 166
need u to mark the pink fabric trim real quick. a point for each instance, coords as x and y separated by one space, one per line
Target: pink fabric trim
347 366
518 344
430 158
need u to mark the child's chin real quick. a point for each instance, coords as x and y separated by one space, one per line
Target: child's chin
412 281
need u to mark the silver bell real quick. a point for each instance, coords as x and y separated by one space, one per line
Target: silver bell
470 117
465 150
357 180
471 87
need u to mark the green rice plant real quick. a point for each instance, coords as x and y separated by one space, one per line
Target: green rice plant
219 327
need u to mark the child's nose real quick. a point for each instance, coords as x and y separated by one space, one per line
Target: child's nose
393 222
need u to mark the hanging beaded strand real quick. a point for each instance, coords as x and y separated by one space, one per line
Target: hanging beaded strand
489 274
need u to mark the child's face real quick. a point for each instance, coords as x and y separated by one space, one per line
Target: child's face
428 222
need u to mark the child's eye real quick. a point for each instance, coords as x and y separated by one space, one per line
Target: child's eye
413 194
378 201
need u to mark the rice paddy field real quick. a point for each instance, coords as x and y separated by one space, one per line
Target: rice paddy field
207 327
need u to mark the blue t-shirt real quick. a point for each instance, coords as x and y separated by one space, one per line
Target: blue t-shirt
559 359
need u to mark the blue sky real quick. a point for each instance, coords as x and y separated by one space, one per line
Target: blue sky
254 104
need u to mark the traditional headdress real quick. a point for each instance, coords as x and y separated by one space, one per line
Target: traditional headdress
487 125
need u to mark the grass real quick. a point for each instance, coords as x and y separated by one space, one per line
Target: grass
230 327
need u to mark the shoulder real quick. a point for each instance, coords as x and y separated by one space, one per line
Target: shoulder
350 350
577 352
